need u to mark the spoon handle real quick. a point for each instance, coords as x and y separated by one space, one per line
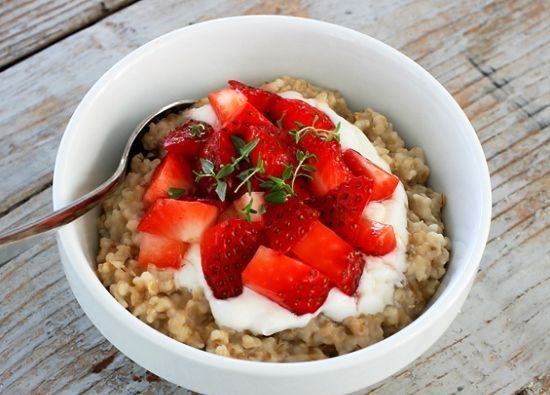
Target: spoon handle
15 241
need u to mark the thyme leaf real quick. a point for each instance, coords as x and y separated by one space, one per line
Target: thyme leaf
175 193
220 177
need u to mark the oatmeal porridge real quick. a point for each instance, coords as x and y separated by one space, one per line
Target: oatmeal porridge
274 224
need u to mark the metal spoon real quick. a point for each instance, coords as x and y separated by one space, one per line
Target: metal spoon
14 241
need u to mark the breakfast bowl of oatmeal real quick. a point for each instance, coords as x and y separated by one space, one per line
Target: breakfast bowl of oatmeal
312 223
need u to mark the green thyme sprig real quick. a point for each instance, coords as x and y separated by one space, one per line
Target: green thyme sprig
248 210
198 129
302 166
279 189
323 134
208 168
246 175
175 193
282 188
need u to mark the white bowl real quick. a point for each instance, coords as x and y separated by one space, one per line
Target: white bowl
190 62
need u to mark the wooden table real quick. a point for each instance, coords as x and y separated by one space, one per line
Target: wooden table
493 56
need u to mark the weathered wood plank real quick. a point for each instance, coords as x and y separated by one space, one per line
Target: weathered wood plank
493 56
28 26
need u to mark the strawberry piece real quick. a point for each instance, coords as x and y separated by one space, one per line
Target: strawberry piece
372 237
227 103
341 209
178 219
342 206
218 150
286 281
259 98
330 169
253 203
384 182
238 118
273 152
324 250
188 139
160 251
234 111
286 224
247 117
226 249
294 114
172 174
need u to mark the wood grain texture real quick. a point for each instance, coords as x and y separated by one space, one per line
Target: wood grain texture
28 26
494 58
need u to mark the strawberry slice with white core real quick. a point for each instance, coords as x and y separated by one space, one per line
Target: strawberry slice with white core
178 219
324 250
227 103
173 177
286 281
384 182
258 97
160 251
372 237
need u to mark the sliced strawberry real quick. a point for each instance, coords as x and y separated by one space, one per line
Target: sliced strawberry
294 114
384 182
247 117
341 210
226 249
259 98
272 151
218 151
372 237
330 171
324 250
234 111
160 251
286 224
227 103
252 203
188 139
342 206
219 148
178 219
173 176
286 281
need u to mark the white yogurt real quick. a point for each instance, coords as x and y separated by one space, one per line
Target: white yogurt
380 277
